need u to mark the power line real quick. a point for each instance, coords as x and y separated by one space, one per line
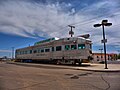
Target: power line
84 22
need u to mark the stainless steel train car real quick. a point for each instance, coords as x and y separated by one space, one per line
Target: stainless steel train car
72 50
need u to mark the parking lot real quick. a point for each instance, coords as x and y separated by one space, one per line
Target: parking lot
15 77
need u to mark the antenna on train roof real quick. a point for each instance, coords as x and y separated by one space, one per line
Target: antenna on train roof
71 32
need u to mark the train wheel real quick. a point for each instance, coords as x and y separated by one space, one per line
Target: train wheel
74 63
80 63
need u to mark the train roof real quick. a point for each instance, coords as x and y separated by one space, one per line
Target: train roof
56 39
46 40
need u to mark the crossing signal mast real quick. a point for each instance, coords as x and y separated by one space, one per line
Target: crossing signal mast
71 31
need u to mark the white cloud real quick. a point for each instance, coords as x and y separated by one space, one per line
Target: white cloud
23 16
28 19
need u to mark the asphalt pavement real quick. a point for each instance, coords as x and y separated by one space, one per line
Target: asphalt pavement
28 76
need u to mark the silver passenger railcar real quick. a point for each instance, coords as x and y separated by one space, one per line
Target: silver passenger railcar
70 50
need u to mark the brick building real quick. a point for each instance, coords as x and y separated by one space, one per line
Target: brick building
99 57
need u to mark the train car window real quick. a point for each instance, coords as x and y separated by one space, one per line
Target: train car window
81 46
35 51
73 47
47 50
58 48
17 53
42 50
52 48
67 47
22 52
25 52
30 51
39 50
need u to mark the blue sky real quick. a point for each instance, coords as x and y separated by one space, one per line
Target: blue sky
23 22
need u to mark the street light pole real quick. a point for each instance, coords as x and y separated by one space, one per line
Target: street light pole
104 47
104 23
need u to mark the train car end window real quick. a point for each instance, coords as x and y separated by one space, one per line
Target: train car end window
81 46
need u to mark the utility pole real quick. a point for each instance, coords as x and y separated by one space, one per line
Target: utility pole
71 31
12 52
